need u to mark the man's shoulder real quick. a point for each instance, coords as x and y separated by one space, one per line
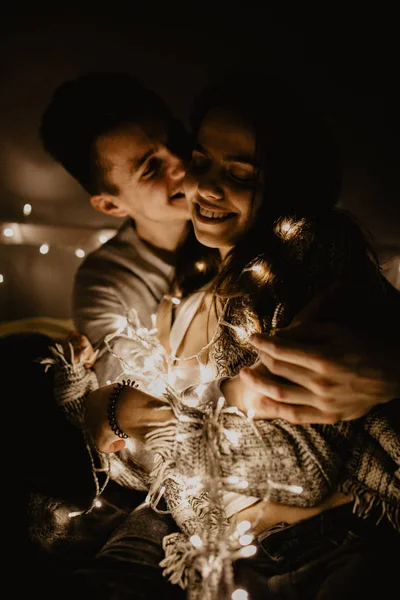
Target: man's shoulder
123 244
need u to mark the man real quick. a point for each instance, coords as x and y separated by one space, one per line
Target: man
124 146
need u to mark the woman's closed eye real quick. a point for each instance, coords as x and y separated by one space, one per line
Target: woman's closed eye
240 172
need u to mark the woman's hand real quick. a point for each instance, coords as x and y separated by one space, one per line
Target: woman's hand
77 348
245 398
136 414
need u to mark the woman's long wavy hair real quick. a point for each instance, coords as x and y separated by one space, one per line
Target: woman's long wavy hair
299 243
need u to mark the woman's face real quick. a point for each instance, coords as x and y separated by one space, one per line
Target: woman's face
222 180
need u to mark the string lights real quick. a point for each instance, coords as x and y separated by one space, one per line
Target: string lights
76 240
211 550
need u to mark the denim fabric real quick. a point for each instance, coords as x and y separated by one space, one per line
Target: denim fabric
127 567
332 556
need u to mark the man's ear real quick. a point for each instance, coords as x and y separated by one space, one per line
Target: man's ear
108 204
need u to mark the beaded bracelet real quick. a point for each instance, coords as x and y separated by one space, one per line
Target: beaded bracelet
112 419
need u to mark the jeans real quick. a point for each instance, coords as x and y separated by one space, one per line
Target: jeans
331 556
127 567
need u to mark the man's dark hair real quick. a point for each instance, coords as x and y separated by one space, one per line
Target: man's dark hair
82 110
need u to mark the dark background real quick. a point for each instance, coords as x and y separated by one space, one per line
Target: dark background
345 65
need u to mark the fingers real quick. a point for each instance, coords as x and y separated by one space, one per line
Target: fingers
289 351
279 390
115 446
296 414
81 350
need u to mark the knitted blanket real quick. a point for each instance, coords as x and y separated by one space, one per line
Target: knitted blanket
221 448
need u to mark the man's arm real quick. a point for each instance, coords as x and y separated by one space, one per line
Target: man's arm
102 297
313 372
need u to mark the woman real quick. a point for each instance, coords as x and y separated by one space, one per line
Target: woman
298 486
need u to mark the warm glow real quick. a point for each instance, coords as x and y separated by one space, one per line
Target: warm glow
233 479
200 265
175 300
80 253
103 238
287 229
248 551
246 539
196 541
1 278
27 209
243 526
120 322
44 248
97 503
8 232
257 269
240 595
232 436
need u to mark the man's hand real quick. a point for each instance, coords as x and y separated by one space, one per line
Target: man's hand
329 374
315 371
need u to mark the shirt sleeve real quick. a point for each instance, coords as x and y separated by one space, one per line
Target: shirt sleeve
102 296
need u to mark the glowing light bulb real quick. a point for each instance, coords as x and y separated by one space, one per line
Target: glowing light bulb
80 253
232 436
248 551
243 526
44 248
233 479
243 484
196 541
97 503
103 238
257 269
246 539
27 209
175 300
8 232
130 444
1 278
120 322
285 226
108 382
240 594
200 265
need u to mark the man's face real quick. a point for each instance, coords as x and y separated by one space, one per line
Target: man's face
148 175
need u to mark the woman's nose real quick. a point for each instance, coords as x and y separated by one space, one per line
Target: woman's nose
208 187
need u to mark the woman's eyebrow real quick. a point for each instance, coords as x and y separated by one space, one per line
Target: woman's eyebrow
246 159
